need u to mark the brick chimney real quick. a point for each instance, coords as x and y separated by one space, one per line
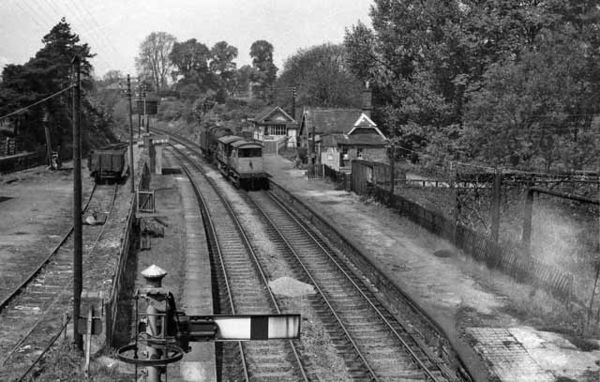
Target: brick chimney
367 100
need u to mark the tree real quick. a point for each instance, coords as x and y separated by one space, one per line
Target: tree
265 72
112 76
46 73
460 72
322 77
191 73
189 57
244 74
223 67
153 59
537 111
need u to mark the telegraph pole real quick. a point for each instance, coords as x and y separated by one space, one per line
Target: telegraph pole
137 104
45 119
496 196
293 90
77 236
145 115
131 164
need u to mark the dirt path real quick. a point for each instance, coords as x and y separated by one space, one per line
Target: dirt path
35 212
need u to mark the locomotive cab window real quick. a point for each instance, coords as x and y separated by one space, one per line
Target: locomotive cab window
250 153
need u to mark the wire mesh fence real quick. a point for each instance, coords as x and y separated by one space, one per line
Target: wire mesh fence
473 205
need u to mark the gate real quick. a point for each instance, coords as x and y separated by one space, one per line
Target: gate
362 174
145 202
269 147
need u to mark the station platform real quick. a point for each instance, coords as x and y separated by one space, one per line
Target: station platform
468 301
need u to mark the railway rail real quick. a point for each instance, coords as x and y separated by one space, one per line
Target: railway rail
245 289
32 313
374 344
387 348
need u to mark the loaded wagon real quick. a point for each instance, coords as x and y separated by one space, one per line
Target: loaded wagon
108 163
208 140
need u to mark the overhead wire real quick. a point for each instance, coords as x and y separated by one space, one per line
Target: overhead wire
18 111
31 13
97 30
99 37
88 33
56 9
45 15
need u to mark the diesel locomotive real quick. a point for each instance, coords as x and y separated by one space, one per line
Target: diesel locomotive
239 159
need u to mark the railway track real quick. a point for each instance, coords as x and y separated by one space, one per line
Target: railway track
376 345
245 290
372 342
33 313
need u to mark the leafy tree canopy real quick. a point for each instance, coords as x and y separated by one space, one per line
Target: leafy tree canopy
525 73
44 74
224 68
153 60
265 72
322 77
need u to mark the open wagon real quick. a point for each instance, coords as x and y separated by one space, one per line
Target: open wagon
109 163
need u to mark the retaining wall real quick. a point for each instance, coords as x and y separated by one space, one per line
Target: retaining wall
112 305
22 161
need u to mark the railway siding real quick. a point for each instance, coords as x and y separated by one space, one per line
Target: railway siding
47 297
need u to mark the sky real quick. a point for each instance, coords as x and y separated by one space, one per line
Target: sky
115 28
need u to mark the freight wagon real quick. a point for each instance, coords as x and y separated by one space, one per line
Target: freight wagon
208 140
109 163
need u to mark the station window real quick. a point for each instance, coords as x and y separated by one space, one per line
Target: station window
359 152
277 130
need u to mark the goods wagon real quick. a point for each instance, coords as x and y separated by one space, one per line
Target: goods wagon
108 163
208 140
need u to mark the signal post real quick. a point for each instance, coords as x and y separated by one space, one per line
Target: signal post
163 334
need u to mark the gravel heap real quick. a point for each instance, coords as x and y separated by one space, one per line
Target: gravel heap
289 287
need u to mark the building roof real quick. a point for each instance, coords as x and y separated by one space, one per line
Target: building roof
242 143
227 139
274 115
327 121
332 140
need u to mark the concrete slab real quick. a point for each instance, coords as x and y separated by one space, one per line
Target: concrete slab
509 359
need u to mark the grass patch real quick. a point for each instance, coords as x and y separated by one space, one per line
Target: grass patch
583 344
64 363
539 309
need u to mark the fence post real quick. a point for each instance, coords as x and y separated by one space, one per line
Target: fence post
392 168
456 211
527 211
496 205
